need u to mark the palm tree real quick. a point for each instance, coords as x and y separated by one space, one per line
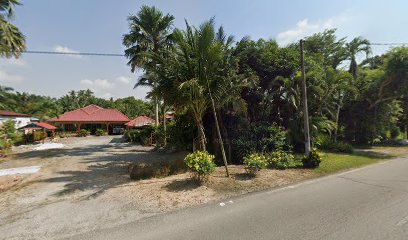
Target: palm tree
206 75
5 97
150 34
354 47
12 41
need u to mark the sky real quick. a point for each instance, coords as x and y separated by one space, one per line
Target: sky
98 26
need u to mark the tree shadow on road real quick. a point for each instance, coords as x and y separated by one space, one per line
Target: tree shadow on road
182 185
104 166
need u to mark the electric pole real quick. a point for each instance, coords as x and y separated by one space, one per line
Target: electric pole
304 98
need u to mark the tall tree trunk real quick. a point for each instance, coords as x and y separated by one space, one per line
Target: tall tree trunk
157 110
201 137
164 125
219 136
337 118
225 134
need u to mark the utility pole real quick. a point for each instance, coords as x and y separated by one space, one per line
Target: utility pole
304 100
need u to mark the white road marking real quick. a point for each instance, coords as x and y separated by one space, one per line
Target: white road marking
21 170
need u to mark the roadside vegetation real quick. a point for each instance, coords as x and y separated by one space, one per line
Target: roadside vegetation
238 101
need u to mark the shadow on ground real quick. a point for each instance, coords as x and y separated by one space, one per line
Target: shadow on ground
105 166
182 185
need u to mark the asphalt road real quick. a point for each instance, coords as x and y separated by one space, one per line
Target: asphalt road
368 203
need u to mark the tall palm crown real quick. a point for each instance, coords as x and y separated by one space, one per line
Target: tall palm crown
354 47
12 41
150 32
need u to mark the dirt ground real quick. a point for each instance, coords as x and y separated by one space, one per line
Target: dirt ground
85 186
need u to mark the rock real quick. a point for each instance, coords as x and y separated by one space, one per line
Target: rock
402 142
141 171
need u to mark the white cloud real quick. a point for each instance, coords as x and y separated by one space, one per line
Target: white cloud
63 49
100 84
12 62
305 28
101 87
10 78
122 79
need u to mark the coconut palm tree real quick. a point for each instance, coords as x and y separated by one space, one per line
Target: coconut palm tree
205 74
150 33
12 41
356 46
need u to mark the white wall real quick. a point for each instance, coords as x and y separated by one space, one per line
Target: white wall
19 121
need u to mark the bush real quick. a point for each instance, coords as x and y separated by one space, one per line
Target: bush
312 160
83 133
260 137
280 160
100 132
326 143
254 162
142 135
200 163
38 135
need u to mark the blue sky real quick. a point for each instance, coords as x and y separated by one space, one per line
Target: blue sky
98 26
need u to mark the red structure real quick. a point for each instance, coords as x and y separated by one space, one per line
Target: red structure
140 122
91 117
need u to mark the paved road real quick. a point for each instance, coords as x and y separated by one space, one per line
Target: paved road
369 203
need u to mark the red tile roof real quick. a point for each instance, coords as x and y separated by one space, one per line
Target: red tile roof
13 114
140 122
92 113
39 125
45 125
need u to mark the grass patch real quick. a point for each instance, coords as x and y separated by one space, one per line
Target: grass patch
334 162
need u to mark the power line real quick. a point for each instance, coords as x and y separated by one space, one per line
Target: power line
123 55
388 44
75 53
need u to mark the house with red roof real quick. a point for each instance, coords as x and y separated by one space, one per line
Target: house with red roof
92 117
140 122
34 126
19 119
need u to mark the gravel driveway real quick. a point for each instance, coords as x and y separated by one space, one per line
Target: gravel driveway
79 188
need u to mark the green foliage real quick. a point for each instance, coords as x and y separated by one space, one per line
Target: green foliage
280 160
8 137
261 138
324 142
312 160
200 163
180 132
142 135
100 132
254 162
334 162
83 133
132 107
12 41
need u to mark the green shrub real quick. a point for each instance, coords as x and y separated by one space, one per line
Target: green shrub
280 160
313 160
83 133
254 162
38 135
324 142
142 135
100 132
260 137
62 134
200 163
